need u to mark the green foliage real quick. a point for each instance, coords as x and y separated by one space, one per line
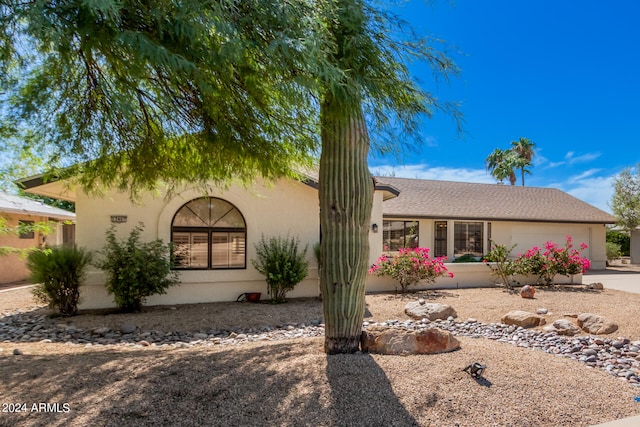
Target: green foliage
625 203
613 250
466 258
282 263
503 163
135 270
553 260
621 239
410 266
59 272
501 265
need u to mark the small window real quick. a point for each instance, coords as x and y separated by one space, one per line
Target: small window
467 238
26 229
209 233
400 234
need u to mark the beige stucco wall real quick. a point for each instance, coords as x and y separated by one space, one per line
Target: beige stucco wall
13 267
278 209
525 236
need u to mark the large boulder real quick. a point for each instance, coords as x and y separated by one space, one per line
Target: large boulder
523 318
383 340
426 310
595 324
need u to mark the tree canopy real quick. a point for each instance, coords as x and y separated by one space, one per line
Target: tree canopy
131 92
134 93
625 203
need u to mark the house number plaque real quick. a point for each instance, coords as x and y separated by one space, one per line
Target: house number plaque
117 219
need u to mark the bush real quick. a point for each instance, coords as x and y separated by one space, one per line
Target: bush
613 250
502 266
565 261
282 263
136 270
622 239
59 272
410 266
466 258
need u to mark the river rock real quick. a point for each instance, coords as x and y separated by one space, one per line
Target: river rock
595 324
523 318
384 340
431 311
127 328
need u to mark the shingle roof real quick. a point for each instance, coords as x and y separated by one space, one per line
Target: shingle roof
23 205
461 200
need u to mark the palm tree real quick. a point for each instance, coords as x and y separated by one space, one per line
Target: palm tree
501 164
524 150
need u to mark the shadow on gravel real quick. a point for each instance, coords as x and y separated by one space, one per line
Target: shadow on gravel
361 393
272 385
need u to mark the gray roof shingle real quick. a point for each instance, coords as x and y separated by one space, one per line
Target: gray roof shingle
23 205
420 198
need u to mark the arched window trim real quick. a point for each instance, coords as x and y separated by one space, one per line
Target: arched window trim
236 239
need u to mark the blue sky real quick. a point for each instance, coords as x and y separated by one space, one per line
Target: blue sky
564 74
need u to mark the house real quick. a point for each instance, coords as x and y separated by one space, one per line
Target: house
214 233
17 211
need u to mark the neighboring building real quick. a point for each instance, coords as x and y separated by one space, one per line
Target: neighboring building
215 233
18 210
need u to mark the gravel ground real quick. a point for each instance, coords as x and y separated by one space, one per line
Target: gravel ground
293 383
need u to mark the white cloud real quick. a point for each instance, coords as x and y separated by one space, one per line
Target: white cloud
423 171
596 191
583 175
587 157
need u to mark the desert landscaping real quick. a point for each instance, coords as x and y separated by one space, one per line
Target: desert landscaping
263 364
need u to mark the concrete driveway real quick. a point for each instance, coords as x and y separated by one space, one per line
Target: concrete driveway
627 279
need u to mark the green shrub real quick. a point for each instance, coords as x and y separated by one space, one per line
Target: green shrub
282 263
613 250
59 272
622 239
136 270
466 258
502 266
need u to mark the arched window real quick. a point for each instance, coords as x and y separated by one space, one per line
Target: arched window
209 233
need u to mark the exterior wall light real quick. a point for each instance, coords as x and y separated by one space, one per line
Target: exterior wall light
374 228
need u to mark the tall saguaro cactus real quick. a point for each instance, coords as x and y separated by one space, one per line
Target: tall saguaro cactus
346 195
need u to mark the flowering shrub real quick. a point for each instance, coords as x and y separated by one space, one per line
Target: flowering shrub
410 266
554 260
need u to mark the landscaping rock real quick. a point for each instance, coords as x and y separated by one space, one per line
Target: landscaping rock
127 328
563 327
431 311
383 340
595 324
595 286
542 311
527 291
522 318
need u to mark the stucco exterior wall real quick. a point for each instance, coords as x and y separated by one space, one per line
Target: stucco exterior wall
524 235
13 267
272 210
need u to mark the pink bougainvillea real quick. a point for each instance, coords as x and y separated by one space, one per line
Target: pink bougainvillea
410 266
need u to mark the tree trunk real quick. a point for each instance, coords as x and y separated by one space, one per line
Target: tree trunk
346 195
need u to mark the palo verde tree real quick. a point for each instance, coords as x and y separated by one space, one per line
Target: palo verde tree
625 203
136 93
